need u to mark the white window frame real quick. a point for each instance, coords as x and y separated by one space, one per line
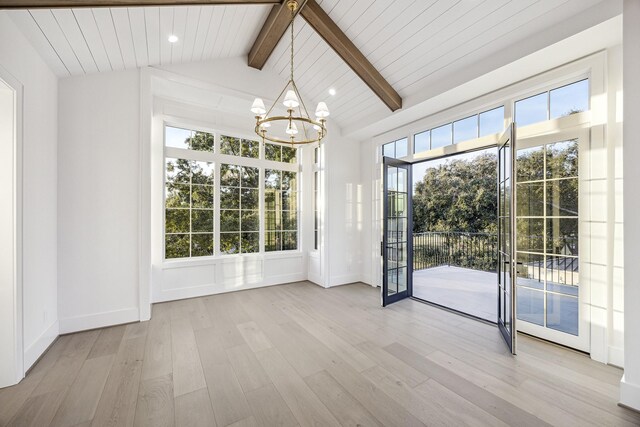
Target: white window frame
216 158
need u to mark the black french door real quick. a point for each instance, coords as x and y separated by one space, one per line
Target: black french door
397 247
506 238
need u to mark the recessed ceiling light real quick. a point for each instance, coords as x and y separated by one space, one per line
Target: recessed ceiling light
332 92
173 38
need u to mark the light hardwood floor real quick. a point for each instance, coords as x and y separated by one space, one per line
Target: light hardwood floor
298 354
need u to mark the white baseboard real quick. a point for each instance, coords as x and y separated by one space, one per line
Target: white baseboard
629 394
99 320
344 279
199 291
33 352
367 279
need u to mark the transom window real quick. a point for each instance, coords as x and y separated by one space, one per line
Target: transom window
563 101
471 127
396 149
205 187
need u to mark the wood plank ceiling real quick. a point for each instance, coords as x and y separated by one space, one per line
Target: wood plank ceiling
412 43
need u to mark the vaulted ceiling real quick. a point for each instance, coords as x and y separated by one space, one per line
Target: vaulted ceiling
414 44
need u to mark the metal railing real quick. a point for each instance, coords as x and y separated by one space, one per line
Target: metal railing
477 251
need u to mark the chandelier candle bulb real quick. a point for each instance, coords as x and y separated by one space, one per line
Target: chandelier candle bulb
258 107
322 110
291 100
292 129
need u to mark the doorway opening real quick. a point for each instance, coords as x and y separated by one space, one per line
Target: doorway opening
455 226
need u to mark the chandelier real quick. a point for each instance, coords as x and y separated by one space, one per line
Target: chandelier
312 130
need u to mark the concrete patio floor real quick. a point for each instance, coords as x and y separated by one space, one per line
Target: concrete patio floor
470 291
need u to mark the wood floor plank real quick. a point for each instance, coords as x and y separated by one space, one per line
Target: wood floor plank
342 405
398 368
531 403
255 338
136 330
247 422
187 369
458 407
38 410
117 404
155 406
248 370
194 410
158 361
66 368
358 360
305 405
82 398
269 409
498 407
425 410
287 337
108 342
227 398
219 313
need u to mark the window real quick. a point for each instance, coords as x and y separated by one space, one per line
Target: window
239 209
472 127
281 210
194 202
569 99
396 149
465 129
188 208
239 147
441 136
531 110
491 121
188 139
421 142
563 101
316 198
279 153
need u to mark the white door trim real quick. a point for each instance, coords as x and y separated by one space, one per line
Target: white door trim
13 306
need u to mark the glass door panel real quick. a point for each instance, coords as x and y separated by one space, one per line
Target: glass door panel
396 277
549 293
506 230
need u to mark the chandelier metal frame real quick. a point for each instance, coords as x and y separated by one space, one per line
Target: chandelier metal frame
312 130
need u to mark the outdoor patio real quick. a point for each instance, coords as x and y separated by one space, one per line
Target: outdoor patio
470 291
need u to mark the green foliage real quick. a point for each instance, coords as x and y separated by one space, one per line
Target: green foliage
200 141
459 195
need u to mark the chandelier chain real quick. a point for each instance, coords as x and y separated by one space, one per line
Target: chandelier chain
293 15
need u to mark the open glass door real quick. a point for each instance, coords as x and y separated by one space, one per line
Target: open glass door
396 247
506 238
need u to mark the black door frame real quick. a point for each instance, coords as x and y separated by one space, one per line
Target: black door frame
385 298
507 275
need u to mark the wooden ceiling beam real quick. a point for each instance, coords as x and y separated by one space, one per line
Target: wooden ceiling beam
340 43
272 31
56 4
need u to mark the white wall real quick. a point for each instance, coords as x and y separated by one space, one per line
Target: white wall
343 211
40 88
630 385
98 200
